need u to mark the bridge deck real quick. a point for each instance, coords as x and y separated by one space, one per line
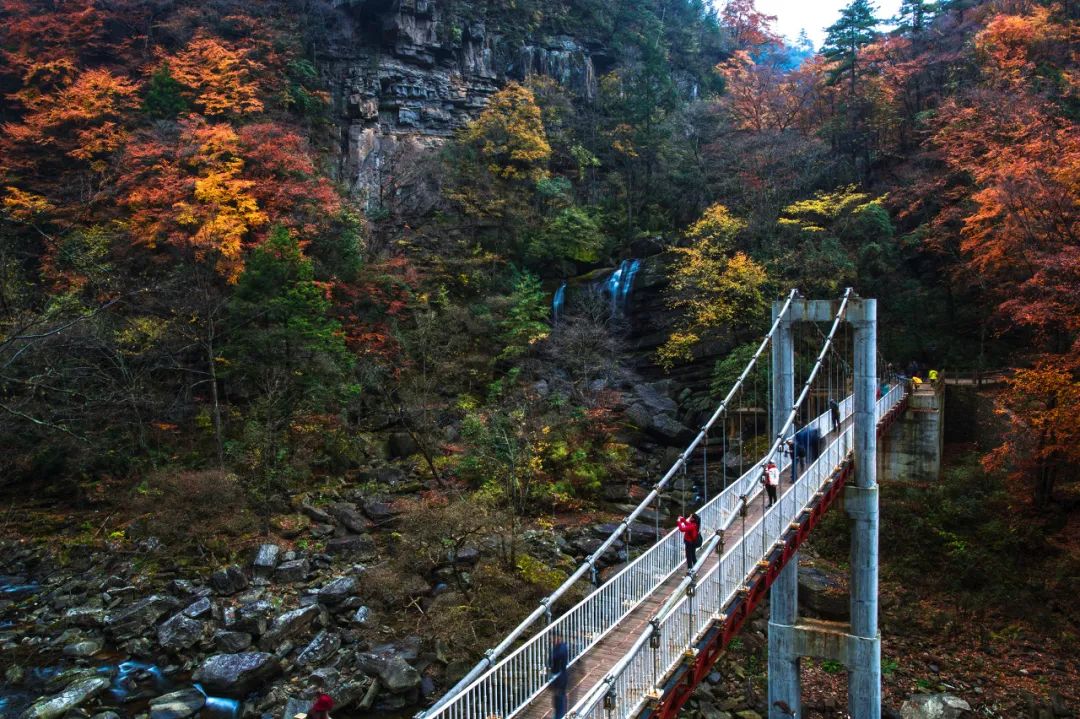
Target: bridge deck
591 668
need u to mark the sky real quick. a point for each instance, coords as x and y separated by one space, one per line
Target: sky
814 15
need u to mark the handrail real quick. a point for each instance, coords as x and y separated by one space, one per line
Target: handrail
631 678
523 671
590 562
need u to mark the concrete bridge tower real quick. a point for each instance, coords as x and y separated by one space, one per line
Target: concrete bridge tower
857 644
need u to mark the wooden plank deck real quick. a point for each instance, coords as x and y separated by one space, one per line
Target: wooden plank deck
591 668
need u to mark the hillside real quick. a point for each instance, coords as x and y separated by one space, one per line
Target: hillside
336 333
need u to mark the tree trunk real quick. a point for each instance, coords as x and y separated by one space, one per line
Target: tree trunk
216 400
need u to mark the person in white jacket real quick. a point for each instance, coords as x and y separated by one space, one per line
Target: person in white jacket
770 477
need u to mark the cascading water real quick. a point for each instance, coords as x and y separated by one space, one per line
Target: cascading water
620 283
557 303
616 286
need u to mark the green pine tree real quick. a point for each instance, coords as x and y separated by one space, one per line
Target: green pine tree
915 15
852 32
164 99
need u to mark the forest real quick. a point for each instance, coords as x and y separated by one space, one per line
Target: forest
282 274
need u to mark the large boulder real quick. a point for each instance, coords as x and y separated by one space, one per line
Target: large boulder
229 580
236 675
231 642
295 570
74 695
199 609
934 706
177 705
655 398
180 632
289 625
361 545
337 590
822 595
253 617
266 560
350 517
401 444
394 673
138 618
321 648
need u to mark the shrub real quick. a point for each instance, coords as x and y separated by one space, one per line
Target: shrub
204 511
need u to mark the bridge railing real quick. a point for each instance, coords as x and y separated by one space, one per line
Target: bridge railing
521 675
642 669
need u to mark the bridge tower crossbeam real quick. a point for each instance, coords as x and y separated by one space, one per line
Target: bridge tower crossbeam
857 644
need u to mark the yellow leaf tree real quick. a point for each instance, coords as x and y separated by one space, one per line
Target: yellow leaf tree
712 286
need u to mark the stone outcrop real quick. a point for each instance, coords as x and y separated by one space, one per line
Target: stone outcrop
405 75
236 675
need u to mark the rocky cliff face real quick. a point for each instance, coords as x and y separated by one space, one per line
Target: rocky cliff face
404 74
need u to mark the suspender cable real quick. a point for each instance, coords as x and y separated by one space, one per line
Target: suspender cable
589 565
809 380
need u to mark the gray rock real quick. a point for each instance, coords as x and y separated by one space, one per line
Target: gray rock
822 595
73 696
361 615
138 618
295 706
182 587
670 430
229 580
394 673
402 444
106 715
266 560
236 675
177 705
379 512
315 514
87 648
319 649
88 617
934 706
180 632
361 545
296 570
467 555
655 399
289 625
231 642
350 517
337 590
199 609
253 617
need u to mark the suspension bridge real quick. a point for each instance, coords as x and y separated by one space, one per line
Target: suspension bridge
646 637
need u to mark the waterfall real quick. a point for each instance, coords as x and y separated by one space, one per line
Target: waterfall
557 303
620 283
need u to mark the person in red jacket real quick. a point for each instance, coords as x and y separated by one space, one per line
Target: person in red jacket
320 709
691 529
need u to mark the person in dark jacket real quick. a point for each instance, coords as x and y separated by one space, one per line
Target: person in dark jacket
834 412
691 529
805 449
559 666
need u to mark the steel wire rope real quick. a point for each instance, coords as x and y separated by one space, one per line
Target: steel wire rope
586 704
488 662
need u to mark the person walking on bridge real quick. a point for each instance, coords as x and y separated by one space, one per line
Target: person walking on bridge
691 529
559 666
834 413
770 477
805 448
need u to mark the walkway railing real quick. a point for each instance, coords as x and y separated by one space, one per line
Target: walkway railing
522 675
544 610
686 617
